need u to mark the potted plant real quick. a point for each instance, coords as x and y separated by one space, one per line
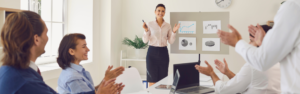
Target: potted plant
138 44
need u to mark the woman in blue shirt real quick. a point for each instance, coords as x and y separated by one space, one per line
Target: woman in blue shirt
74 78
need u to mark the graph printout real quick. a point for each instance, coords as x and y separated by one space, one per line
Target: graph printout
187 27
211 27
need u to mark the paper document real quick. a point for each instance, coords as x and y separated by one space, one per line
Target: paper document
187 27
211 44
211 27
187 43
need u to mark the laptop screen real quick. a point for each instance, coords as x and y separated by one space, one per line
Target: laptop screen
175 82
189 76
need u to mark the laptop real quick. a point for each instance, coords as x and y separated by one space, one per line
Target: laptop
188 80
175 82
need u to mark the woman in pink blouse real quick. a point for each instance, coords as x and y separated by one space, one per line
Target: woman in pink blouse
157 33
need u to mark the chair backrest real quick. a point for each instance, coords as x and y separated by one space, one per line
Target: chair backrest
132 80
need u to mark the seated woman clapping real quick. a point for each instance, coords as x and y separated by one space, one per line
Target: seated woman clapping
74 78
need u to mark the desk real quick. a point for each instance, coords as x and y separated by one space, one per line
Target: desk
169 80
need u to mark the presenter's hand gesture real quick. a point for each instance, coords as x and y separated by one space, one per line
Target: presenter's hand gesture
222 67
258 32
205 70
176 27
230 38
108 87
145 27
111 74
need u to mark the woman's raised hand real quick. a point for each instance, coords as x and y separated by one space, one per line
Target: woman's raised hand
176 27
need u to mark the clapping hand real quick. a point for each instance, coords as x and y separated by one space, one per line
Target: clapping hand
111 74
258 32
108 87
222 67
230 38
205 70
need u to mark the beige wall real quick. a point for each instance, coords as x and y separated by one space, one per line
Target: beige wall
2 20
116 31
15 4
242 14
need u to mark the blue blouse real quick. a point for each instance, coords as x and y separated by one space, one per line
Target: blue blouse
75 79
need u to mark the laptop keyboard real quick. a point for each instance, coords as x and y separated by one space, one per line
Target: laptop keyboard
195 89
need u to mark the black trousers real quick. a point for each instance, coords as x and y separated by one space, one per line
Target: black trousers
157 60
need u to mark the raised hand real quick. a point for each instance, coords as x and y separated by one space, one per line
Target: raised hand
258 32
111 74
145 27
230 38
205 70
222 67
176 27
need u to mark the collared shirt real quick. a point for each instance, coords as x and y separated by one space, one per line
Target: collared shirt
252 81
158 36
33 66
75 79
281 44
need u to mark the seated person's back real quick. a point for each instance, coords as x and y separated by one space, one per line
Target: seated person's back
19 81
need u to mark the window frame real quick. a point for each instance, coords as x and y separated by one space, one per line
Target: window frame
36 7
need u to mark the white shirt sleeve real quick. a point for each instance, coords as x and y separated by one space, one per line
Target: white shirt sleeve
238 84
146 36
278 42
171 36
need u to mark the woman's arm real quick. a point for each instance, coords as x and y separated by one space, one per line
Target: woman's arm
172 33
147 33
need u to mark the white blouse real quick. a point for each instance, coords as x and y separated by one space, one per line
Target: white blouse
158 36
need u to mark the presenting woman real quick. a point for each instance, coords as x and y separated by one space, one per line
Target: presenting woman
157 33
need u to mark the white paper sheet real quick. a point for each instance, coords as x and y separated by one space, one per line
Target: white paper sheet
211 27
187 43
210 44
187 27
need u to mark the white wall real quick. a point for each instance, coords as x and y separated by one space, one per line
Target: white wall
116 31
242 14
103 17
85 17
15 4
80 20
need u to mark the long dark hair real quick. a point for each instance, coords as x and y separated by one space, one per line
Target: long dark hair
69 41
17 37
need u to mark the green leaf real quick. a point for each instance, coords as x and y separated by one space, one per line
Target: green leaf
137 43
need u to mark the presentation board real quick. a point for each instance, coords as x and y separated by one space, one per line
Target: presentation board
198 32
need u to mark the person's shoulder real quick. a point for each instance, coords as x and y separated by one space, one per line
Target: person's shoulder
10 79
9 72
69 74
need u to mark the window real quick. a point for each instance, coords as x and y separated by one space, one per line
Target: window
53 12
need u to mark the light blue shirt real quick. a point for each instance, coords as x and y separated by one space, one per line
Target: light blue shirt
75 79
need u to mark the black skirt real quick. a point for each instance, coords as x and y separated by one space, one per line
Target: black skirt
157 63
